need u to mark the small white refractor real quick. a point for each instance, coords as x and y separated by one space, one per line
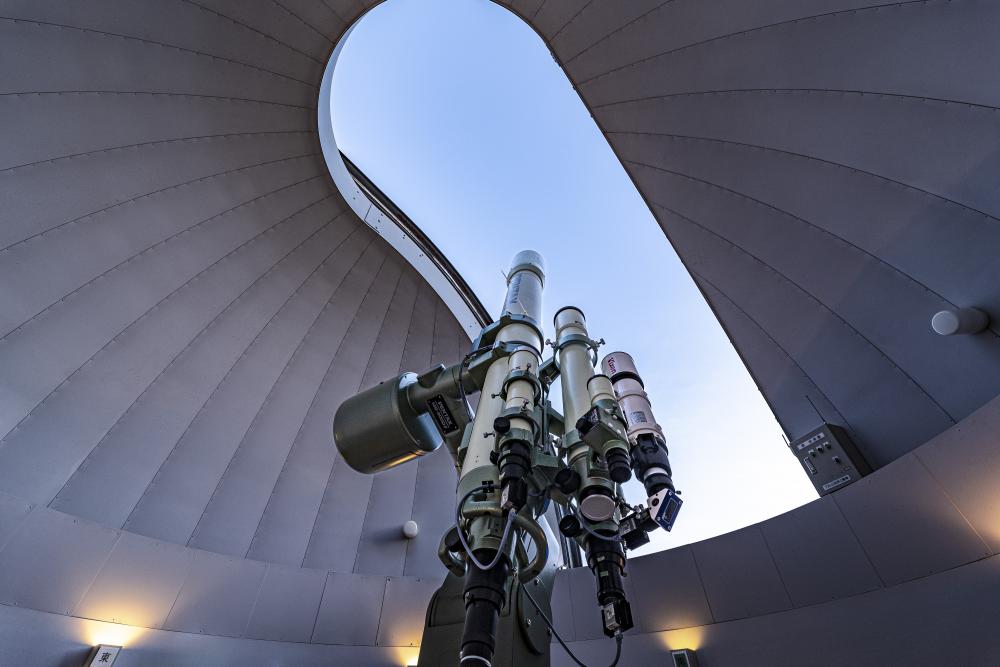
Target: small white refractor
519 461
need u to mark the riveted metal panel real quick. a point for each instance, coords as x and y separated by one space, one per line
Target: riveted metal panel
676 25
386 354
907 524
217 597
337 524
420 337
833 52
12 513
186 480
116 242
562 606
56 343
672 576
595 22
350 610
527 9
753 587
435 487
149 172
349 10
965 461
127 120
553 15
404 609
126 65
49 562
39 458
773 127
817 554
587 620
287 604
879 232
141 439
435 478
184 25
781 380
276 20
872 296
820 342
283 531
285 361
382 548
321 17
138 583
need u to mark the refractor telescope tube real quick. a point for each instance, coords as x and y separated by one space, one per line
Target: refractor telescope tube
576 368
575 364
649 453
485 590
597 496
524 298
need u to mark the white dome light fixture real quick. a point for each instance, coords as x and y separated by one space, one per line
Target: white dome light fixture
956 321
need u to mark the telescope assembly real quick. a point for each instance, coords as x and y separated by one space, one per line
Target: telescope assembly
520 464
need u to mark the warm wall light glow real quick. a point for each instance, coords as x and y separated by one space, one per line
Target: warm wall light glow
97 632
689 638
408 656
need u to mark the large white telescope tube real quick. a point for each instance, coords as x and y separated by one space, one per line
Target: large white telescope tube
524 299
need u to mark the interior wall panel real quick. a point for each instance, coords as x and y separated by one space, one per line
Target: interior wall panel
138 583
218 595
63 193
875 298
289 361
336 534
129 360
44 56
51 560
192 26
288 523
184 482
174 401
287 604
821 343
781 380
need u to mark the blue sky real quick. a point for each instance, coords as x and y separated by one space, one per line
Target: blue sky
456 110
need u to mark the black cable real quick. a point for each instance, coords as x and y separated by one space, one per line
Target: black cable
583 524
618 637
461 535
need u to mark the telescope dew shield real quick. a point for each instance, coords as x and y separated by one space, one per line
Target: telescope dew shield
524 286
631 394
378 429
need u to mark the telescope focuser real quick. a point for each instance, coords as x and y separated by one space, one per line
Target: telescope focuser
651 463
605 435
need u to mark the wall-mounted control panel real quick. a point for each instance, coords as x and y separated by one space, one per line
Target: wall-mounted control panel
830 459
